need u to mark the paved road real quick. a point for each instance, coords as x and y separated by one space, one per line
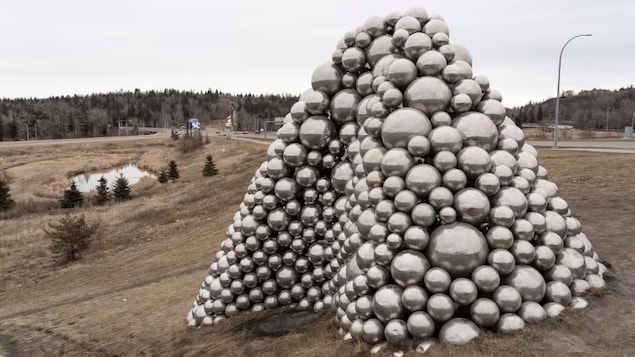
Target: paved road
78 140
589 144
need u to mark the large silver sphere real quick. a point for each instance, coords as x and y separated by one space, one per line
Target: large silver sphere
408 268
387 303
414 298
486 278
474 161
421 179
485 312
403 124
428 94
420 325
509 323
507 298
458 331
458 248
528 281
471 205
316 132
440 307
477 130
437 280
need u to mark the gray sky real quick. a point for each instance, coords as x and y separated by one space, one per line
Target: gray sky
67 47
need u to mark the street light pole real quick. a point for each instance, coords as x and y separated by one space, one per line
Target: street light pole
555 129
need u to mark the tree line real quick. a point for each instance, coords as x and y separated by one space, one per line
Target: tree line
585 110
99 114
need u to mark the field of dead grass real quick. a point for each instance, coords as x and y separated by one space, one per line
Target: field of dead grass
130 293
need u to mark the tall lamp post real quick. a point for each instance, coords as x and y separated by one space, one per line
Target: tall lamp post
555 129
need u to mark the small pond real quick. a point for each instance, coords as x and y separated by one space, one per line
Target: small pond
89 181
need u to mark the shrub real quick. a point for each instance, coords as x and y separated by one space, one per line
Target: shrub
163 177
6 202
173 171
210 167
103 195
190 143
121 191
72 197
69 237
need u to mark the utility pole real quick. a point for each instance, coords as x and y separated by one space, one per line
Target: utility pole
35 131
607 122
27 131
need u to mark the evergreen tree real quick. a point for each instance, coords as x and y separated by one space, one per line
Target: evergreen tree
173 171
210 167
102 191
121 190
163 177
72 197
6 202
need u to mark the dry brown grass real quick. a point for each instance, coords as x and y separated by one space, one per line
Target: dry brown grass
130 293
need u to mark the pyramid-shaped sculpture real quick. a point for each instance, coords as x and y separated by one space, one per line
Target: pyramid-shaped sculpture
399 195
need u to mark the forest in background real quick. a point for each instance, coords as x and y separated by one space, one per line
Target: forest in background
100 114
586 110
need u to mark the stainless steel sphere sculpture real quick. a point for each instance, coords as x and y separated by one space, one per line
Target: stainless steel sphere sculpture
399 195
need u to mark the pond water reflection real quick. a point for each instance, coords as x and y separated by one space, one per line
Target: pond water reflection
89 181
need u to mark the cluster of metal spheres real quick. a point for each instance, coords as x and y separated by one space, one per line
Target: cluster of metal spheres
400 196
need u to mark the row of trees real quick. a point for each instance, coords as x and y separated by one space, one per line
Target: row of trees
100 114
584 110
120 192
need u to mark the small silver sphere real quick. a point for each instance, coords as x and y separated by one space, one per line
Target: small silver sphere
421 179
414 298
523 251
396 162
455 180
553 309
507 298
573 260
545 258
403 124
408 268
485 312
428 94
559 292
344 106
528 281
405 201
532 312
509 323
419 146
458 331
437 280
372 331
420 325
416 45
502 260
387 303
486 278
471 205
353 60
512 197
440 307
316 132
327 78
474 161
396 332
445 138
463 291
402 72
431 63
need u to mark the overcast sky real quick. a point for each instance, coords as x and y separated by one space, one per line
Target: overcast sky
67 47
